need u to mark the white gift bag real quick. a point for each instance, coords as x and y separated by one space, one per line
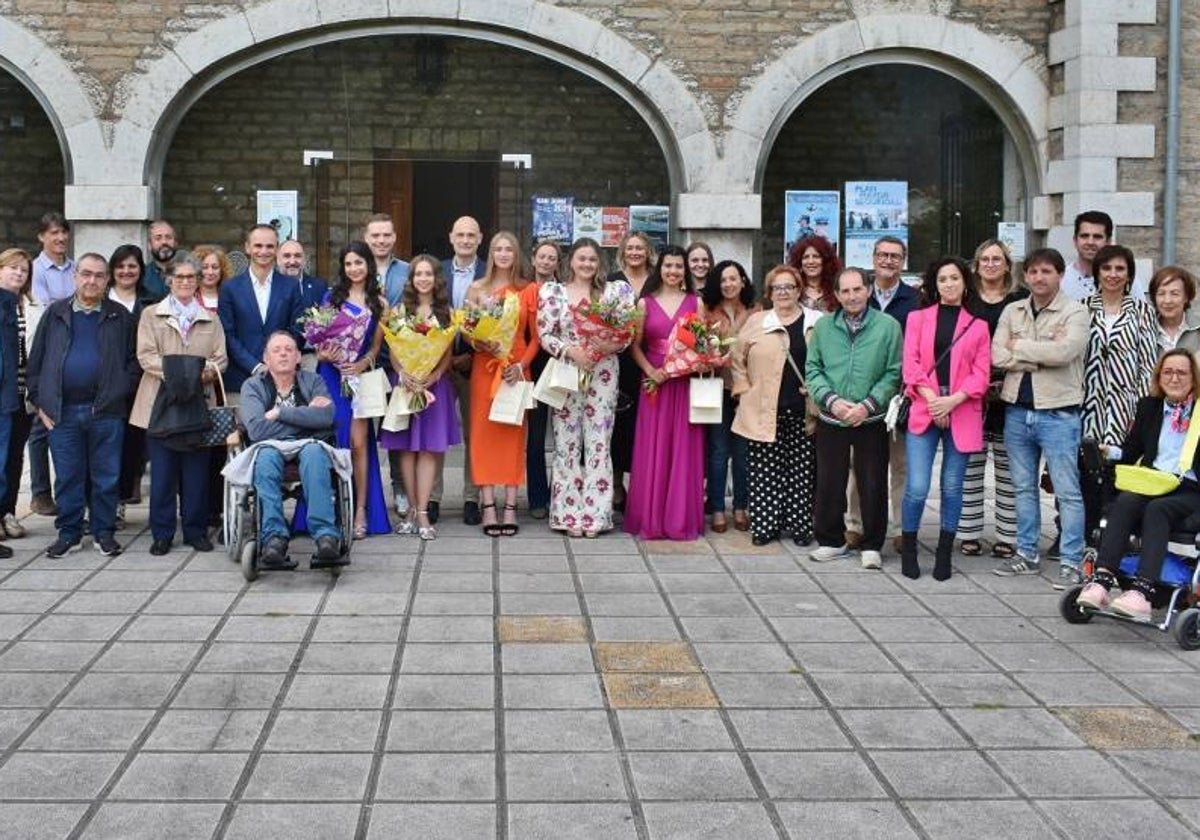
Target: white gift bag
370 394
704 400
511 402
562 374
398 413
545 392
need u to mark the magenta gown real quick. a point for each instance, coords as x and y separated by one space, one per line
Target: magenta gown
666 483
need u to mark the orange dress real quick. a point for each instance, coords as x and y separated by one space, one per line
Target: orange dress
497 449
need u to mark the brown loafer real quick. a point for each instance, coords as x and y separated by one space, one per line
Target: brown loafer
741 520
721 526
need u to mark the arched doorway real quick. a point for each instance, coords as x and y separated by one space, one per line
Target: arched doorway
33 175
901 122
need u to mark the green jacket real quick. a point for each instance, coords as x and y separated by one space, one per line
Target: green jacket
864 368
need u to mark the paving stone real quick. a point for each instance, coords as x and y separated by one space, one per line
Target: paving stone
787 729
691 584
444 777
678 775
348 658
337 691
347 602
672 548
981 690
249 658
460 821
1075 689
537 603
1132 658
763 690
726 629
1177 690
817 775
189 603
102 603
1014 728
570 821
38 821
614 563
901 729
868 690
32 689
557 731
429 731
88 729
634 629
1007 628
709 821
420 691
673 729
44 580
260 821
541 628
277 604
175 776
461 603
432 628
845 820
170 628
154 820
658 691
1064 773
147 656
552 691
48 656
535 658
1166 772
327 777
543 777
796 604
121 691
208 730
59 775
1080 820
694 564
708 604
624 604
229 691
938 656
456 582
986 820
941 774
324 731
265 629
12 626
812 629
646 657
34 602
822 657
770 658
447 658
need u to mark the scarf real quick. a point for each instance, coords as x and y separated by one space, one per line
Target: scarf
186 314
1181 414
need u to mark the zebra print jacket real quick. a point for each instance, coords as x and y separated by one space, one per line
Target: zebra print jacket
1118 368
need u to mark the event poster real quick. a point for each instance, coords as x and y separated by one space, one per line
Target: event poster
553 217
280 210
810 213
614 226
654 220
873 209
1012 234
589 222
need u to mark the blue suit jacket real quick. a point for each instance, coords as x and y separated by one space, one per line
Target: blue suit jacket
903 302
245 332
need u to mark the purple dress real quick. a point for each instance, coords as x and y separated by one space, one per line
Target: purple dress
435 429
666 483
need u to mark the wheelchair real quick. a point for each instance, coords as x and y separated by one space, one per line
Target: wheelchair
1177 589
242 515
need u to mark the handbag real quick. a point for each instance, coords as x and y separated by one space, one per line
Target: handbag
1147 481
900 405
370 395
705 400
222 416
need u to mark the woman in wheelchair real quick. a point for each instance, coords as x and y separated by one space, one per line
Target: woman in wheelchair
1159 439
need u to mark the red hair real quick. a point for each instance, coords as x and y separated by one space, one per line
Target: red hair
831 266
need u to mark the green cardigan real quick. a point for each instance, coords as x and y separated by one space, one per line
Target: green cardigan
864 368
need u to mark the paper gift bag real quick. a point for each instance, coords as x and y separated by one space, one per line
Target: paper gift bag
370 395
398 413
562 374
545 391
510 403
704 400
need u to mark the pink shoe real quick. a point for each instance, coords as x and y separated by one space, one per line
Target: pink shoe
1093 596
1133 604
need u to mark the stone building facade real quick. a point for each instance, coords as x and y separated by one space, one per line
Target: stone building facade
118 112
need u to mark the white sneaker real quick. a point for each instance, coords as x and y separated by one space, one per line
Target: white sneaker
871 559
825 553
401 502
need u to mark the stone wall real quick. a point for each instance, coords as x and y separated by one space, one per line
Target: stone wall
31 165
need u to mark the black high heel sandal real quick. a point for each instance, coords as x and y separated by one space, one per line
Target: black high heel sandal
509 529
495 529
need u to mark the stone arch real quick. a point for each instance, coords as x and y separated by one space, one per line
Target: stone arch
155 102
57 89
1006 74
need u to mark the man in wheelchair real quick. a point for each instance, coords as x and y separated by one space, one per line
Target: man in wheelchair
281 408
1159 496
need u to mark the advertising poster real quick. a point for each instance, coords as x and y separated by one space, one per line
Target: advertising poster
873 209
810 213
553 217
589 222
280 210
654 220
614 226
1012 234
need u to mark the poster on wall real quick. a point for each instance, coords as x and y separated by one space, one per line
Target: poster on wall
873 209
589 222
614 226
553 217
810 213
654 220
281 210
1012 234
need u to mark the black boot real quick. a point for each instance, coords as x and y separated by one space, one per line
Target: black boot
941 560
908 555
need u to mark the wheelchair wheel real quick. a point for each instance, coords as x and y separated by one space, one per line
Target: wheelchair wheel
1186 629
249 558
1070 610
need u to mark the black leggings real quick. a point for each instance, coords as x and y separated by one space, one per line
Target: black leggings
1156 516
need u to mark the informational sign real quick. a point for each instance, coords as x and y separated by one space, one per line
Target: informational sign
281 210
810 213
873 209
553 218
589 222
1012 234
654 220
614 226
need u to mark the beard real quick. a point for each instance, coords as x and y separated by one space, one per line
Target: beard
165 253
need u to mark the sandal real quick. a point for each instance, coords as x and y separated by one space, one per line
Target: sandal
408 525
971 548
575 533
509 529
425 532
360 524
1003 550
491 529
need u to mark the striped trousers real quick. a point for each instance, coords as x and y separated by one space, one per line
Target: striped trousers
970 526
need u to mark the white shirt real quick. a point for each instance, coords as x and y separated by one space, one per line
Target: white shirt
112 295
262 292
1078 285
464 276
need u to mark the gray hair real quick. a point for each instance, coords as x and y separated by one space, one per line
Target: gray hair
184 261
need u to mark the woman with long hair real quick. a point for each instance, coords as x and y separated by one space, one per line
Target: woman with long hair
729 302
435 429
666 487
16 268
699 264
546 259
636 259
818 263
355 291
581 496
947 367
215 269
498 449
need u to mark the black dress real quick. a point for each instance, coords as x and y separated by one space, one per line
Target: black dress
629 382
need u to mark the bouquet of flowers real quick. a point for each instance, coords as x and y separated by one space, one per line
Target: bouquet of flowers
693 344
493 321
416 344
335 331
605 326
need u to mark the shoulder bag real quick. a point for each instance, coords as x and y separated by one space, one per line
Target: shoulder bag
1147 481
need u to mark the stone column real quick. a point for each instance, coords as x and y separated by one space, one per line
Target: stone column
103 217
729 223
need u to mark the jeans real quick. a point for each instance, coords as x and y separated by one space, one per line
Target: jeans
87 450
1053 434
183 476
722 445
39 459
318 493
921 450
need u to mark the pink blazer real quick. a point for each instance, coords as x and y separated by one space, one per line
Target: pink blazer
970 370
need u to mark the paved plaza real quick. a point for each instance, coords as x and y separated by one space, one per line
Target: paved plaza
539 687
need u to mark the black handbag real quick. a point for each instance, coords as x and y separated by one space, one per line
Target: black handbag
222 416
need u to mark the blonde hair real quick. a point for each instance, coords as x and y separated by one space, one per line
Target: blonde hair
16 256
651 254
520 274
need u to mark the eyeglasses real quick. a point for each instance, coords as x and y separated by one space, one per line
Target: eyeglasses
1175 374
991 260
90 275
884 256
789 288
